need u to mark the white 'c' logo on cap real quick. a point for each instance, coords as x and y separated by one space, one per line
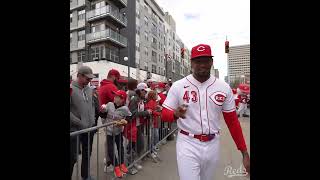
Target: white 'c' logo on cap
202 48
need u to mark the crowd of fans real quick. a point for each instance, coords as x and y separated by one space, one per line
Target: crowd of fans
135 108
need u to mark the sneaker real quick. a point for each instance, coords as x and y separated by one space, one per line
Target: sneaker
133 171
154 157
123 168
117 172
164 142
137 166
157 148
108 169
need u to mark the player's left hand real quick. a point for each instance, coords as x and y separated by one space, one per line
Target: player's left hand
246 162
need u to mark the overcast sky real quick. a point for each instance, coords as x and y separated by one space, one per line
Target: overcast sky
209 22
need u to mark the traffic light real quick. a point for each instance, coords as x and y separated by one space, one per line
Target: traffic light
226 45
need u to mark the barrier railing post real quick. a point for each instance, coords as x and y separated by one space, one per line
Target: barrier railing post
88 158
77 157
97 154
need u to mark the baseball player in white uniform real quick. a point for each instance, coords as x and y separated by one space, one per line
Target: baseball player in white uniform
196 102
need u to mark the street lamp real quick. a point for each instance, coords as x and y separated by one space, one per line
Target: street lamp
126 59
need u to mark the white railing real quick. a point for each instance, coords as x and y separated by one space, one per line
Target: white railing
107 10
108 33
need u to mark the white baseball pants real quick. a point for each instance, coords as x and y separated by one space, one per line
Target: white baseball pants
197 160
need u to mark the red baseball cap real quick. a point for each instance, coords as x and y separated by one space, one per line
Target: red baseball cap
121 94
114 72
201 50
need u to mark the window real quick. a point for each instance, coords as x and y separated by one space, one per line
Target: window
154 56
138 30
95 52
153 70
154 53
71 18
173 66
154 40
138 46
81 35
146 51
81 14
81 56
114 54
146 21
159 71
146 35
146 66
96 27
102 52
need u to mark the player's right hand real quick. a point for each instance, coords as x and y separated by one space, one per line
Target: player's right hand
181 111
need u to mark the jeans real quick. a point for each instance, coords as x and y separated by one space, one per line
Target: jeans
118 140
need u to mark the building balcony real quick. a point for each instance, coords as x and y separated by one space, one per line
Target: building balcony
107 35
80 25
111 13
77 46
154 31
77 4
120 3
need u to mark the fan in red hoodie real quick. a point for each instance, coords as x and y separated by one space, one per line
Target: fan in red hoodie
160 88
107 86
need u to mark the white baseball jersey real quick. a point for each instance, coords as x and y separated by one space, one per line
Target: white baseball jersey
205 103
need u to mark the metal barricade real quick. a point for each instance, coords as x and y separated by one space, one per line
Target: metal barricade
129 150
86 137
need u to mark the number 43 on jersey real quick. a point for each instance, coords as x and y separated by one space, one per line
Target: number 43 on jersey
193 94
